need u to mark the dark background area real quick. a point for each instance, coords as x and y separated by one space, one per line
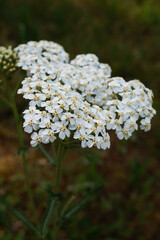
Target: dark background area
126 35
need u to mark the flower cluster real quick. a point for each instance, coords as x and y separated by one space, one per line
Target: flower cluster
8 59
41 57
79 99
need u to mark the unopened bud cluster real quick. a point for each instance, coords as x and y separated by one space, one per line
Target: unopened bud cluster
79 98
8 59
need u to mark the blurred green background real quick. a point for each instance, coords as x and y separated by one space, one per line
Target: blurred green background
126 35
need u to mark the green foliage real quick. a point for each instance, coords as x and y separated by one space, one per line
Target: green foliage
20 216
68 213
49 213
125 34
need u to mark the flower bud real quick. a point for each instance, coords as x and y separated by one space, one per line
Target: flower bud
8 59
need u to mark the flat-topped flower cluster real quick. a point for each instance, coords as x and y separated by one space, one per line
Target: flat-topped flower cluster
78 99
8 59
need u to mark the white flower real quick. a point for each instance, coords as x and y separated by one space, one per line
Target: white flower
36 138
123 133
30 124
131 124
61 128
33 112
105 141
114 124
69 117
82 136
45 123
48 136
145 124
79 99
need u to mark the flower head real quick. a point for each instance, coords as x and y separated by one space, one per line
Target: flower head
8 59
79 99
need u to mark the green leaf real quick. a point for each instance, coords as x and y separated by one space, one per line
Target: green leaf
66 206
47 155
20 216
67 214
48 215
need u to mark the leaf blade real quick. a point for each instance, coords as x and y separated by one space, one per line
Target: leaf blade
81 204
20 216
48 215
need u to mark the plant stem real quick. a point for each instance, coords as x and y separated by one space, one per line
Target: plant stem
17 121
12 104
58 169
54 152
25 167
60 157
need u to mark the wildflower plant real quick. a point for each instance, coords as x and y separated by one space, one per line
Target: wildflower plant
79 99
74 104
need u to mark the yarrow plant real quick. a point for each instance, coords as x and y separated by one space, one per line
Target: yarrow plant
79 99
72 103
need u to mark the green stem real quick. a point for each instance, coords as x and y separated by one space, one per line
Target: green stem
54 151
29 188
12 105
17 121
22 146
58 169
60 157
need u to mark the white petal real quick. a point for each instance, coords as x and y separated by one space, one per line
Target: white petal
33 143
67 132
28 129
62 135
